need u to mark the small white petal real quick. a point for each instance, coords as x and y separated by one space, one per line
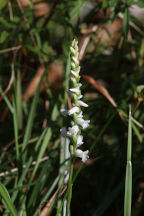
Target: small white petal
73 79
83 123
79 97
79 85
64 112
74 73
80 115
79 140
77 69
72 50
73 110
72 131
73 65
74 90
81 103
82 154
63 132
75 60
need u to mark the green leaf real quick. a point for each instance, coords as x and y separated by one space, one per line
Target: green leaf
3 3
31 118
7 200
104 4
3 36
128 179
76 7
125 22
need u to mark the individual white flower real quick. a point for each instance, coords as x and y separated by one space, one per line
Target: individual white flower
81 103
64 112
73 79
79 85
80 115
72 131
83 123
77 69
75 60
74 90
79 140
73 110
72 50
82 154
63 132
73 65
80 96
74 73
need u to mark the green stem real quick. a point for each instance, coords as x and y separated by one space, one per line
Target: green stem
69 189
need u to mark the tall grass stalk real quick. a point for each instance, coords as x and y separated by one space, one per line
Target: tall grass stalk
128 179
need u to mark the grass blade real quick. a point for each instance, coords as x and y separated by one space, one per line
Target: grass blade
31 118
7 201
128 180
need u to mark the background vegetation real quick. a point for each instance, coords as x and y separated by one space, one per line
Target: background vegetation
34 44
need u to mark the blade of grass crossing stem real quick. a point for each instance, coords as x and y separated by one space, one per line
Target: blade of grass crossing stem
128 179
31 119
7 201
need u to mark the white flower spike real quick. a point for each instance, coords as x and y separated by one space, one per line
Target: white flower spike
75 114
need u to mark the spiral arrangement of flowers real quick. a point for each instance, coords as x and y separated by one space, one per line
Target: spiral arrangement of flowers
77 122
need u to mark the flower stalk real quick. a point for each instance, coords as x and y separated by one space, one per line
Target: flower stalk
75 117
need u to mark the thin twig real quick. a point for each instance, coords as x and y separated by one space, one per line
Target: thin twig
10 49
8 87
24 166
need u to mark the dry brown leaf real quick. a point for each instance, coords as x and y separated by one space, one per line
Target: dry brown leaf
55 75
40 8
31 89
47 206
8 87
107 35
100 88
103 91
